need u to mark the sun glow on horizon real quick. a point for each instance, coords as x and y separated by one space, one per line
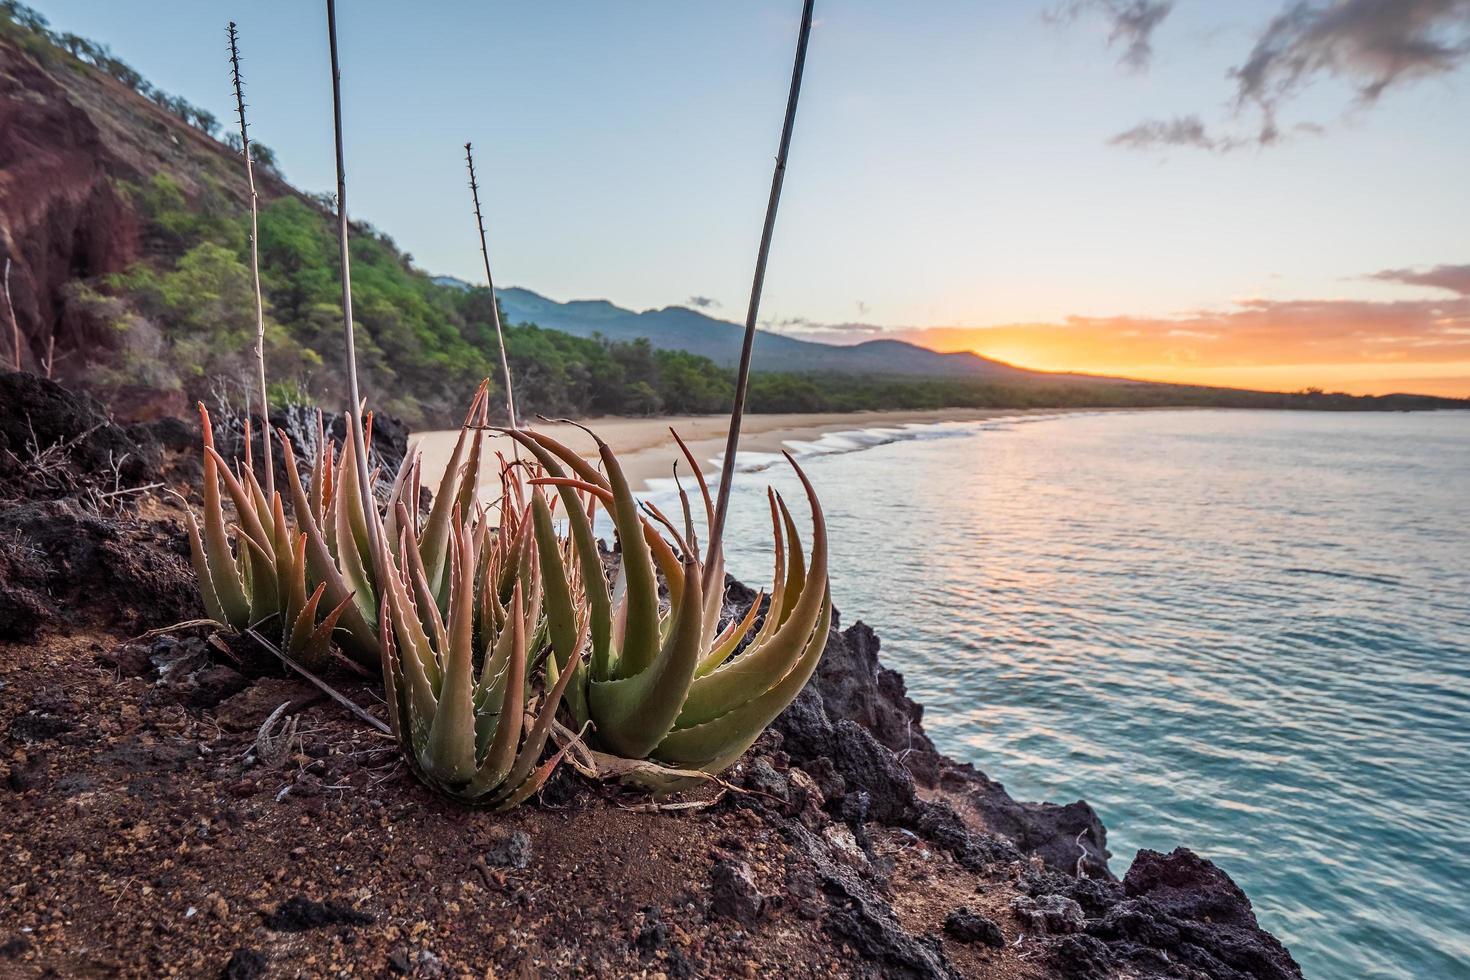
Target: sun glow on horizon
1336 345
1447 380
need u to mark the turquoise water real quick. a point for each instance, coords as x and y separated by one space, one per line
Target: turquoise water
1245 632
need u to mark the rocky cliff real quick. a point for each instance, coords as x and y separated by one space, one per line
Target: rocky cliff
71 139
60 216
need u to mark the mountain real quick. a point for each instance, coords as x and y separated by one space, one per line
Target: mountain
680 328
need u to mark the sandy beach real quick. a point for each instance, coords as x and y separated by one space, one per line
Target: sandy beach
648 452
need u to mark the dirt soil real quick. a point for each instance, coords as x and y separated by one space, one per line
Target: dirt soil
144 837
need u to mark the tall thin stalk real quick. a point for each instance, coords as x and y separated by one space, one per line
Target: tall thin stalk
354 409
742 379
10 308
265 408
510 398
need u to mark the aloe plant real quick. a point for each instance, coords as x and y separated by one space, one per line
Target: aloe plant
245 586
264 577
667 685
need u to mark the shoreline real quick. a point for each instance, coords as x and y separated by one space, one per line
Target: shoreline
648 453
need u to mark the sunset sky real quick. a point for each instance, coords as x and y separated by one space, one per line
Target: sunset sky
1265 193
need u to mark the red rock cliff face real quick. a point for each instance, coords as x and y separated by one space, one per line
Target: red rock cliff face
61 218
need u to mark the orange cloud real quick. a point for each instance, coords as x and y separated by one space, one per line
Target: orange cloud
1363 347
1351 346
1359 346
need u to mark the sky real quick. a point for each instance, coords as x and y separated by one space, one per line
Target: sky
1265 193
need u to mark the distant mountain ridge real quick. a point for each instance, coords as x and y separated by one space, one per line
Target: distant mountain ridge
680 328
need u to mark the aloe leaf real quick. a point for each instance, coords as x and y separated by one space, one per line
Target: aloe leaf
778 577
349 558
540 440
535 740
319 643
594 579
264 592
764 664
537 779
434 540
531 584
355 502
634 713
197 557
715 745
639 647
795 562
239 496
392 688
498 656
288 564
224 573
304 622
414 651
450 752
427 605
726 643
565 632
402 483
322 567
714 558
321 470
501 755
668 563
468 495
260 506
557 592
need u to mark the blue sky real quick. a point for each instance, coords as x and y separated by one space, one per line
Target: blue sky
951 167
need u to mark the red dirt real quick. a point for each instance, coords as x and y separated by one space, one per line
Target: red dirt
137 842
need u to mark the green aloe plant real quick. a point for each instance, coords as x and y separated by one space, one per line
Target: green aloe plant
324 542
264 576
666 684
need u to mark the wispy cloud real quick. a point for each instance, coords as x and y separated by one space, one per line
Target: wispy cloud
1371 45
1179 131
1454 278
703 303
1131 24
824 333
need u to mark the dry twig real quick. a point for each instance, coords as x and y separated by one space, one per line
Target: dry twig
320 684
273 746
14 323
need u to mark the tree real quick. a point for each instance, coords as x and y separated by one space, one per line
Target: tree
643 400
27 18
263 156
204 119
74 45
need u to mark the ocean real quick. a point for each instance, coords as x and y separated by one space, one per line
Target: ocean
1244 632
